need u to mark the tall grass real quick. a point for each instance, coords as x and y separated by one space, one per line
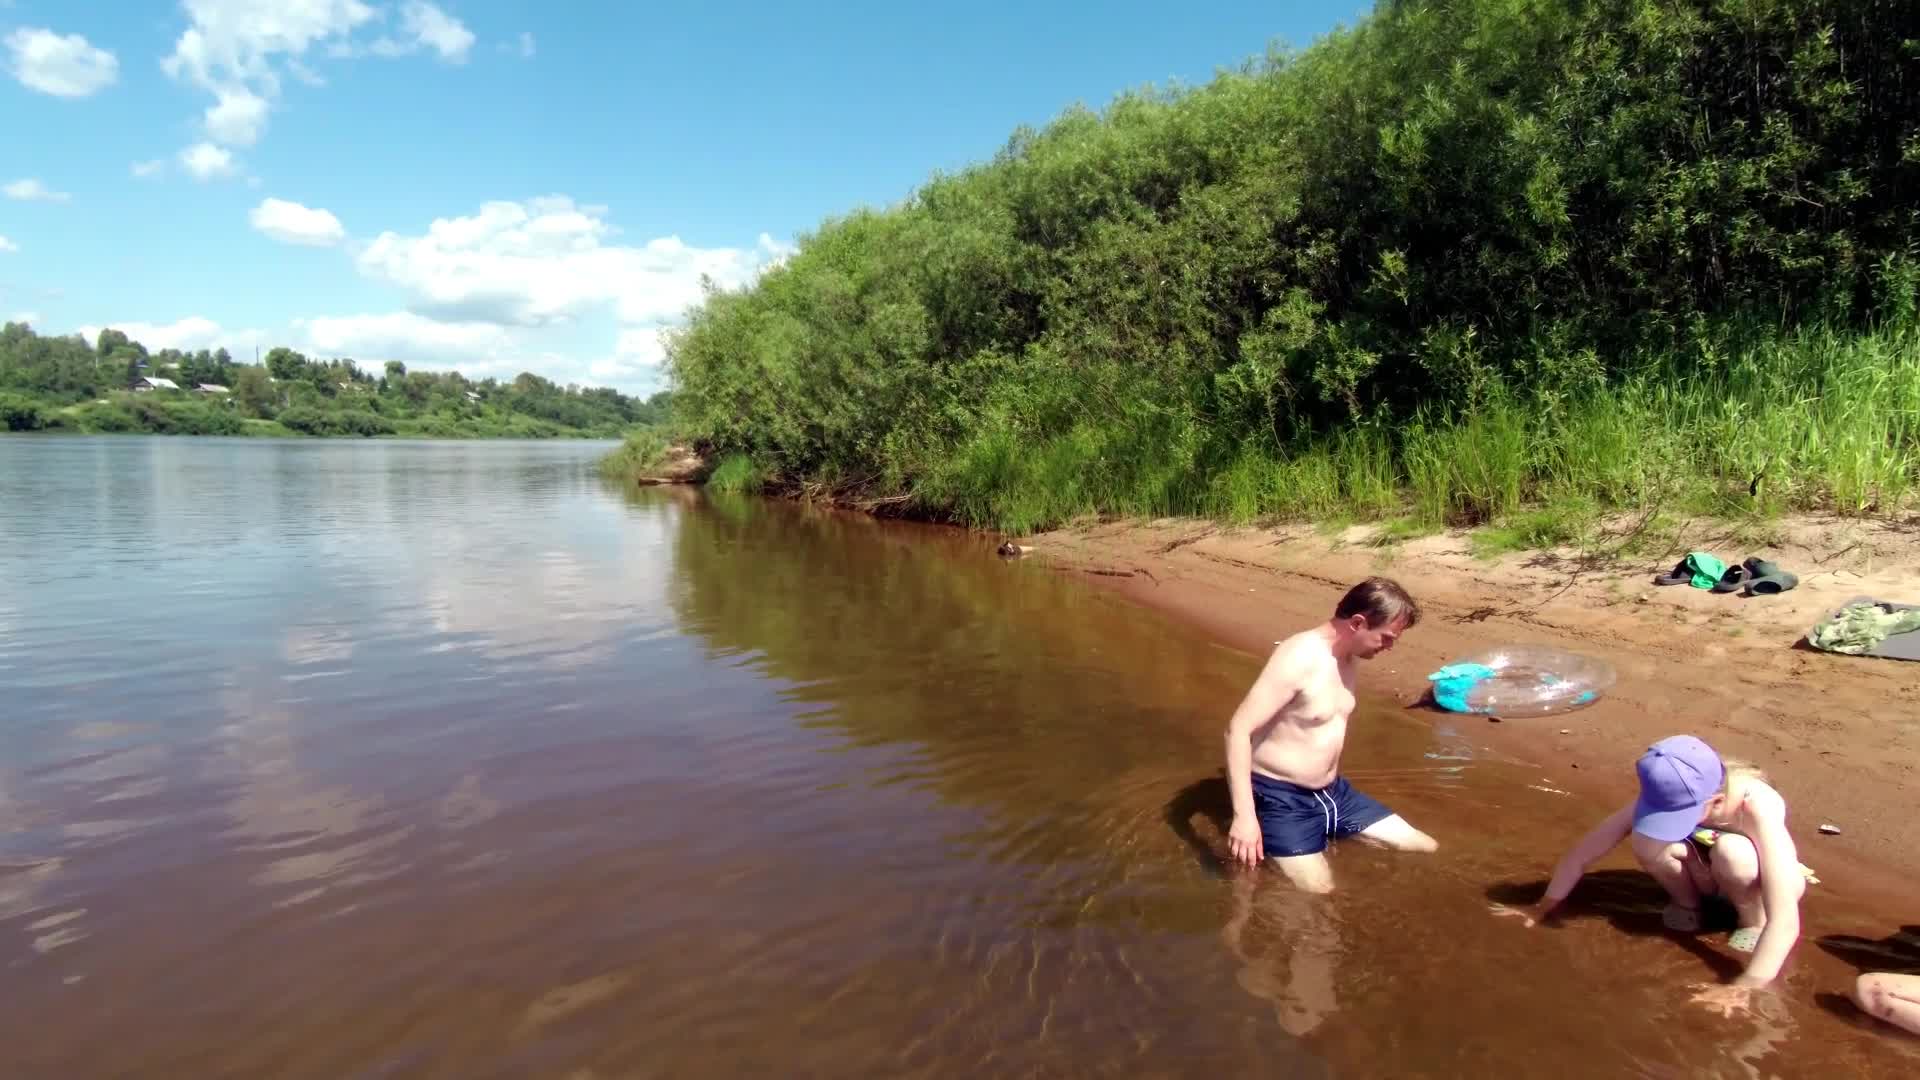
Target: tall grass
736 474
1806 421
641 452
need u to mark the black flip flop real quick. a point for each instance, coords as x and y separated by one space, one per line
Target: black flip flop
1765 578
1732 580
1679 575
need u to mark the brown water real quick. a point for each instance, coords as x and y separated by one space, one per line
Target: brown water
398 760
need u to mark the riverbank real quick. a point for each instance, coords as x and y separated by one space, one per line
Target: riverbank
72 422
1839 735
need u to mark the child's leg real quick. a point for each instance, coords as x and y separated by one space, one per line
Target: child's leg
1893 998
1678 869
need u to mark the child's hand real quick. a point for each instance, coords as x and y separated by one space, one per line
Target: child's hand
1727 999
1529 917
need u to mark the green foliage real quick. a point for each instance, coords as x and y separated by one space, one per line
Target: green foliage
639 454
1557 525
20 413
173 415
311 421
1399 269
736 475
302 395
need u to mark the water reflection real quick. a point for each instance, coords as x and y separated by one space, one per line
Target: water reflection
382 759
314 836
1292 953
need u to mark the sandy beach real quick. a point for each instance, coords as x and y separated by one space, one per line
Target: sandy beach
1839 735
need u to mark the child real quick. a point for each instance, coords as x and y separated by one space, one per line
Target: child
1704 827
1893 998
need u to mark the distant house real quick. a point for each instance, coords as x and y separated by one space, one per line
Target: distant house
471 396
153 382
211 388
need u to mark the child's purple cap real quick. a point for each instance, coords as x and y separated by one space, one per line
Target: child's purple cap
1677 776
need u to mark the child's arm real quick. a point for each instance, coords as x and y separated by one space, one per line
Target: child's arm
1782 883
1574 864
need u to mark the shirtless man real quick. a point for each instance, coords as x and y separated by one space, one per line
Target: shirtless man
1284 743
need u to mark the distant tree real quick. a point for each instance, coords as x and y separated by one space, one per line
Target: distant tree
254 391
285 364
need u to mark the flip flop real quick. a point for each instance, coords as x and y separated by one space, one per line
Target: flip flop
1744 939
1681 920
1767 579
1732 580
1679 575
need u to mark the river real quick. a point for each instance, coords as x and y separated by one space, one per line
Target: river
384 759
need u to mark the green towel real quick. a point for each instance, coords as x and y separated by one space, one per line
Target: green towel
1707 569
1859 627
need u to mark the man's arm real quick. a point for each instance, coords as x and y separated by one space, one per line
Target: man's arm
1573 865
1277 685
1781 886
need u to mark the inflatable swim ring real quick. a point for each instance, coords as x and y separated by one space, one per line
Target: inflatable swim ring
1521 680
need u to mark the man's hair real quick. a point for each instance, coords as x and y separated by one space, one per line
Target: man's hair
1381 600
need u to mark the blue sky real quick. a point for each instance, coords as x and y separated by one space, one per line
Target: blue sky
499 186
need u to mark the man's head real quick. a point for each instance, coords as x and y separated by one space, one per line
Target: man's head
1373 615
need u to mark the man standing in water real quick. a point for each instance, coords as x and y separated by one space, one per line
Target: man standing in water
1285 739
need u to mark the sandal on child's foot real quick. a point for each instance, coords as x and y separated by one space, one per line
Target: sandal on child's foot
1681 920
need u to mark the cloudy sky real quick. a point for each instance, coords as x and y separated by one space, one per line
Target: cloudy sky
504 185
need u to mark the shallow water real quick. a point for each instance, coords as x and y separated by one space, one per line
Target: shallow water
415 759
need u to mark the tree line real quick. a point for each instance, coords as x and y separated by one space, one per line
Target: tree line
67 382
1397 270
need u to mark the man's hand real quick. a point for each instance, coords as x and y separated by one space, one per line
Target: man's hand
1243 841
1727 999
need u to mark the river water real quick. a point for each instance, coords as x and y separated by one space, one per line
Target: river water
331 759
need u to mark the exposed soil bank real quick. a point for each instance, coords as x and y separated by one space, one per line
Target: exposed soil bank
1839 735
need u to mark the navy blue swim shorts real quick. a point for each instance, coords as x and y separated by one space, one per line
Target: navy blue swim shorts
1296 820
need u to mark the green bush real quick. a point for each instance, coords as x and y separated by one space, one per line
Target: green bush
1395 270
19 413
312 421
641 452
736 475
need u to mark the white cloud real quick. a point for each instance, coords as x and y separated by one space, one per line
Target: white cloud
474 348
638 353
237 117
292 223
61 65
542 285
145 169
423 26
205 161
32 190
526 43
306 74
428 25
191 333
28 317
548 260
8 245
239 50
230 47
643 345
